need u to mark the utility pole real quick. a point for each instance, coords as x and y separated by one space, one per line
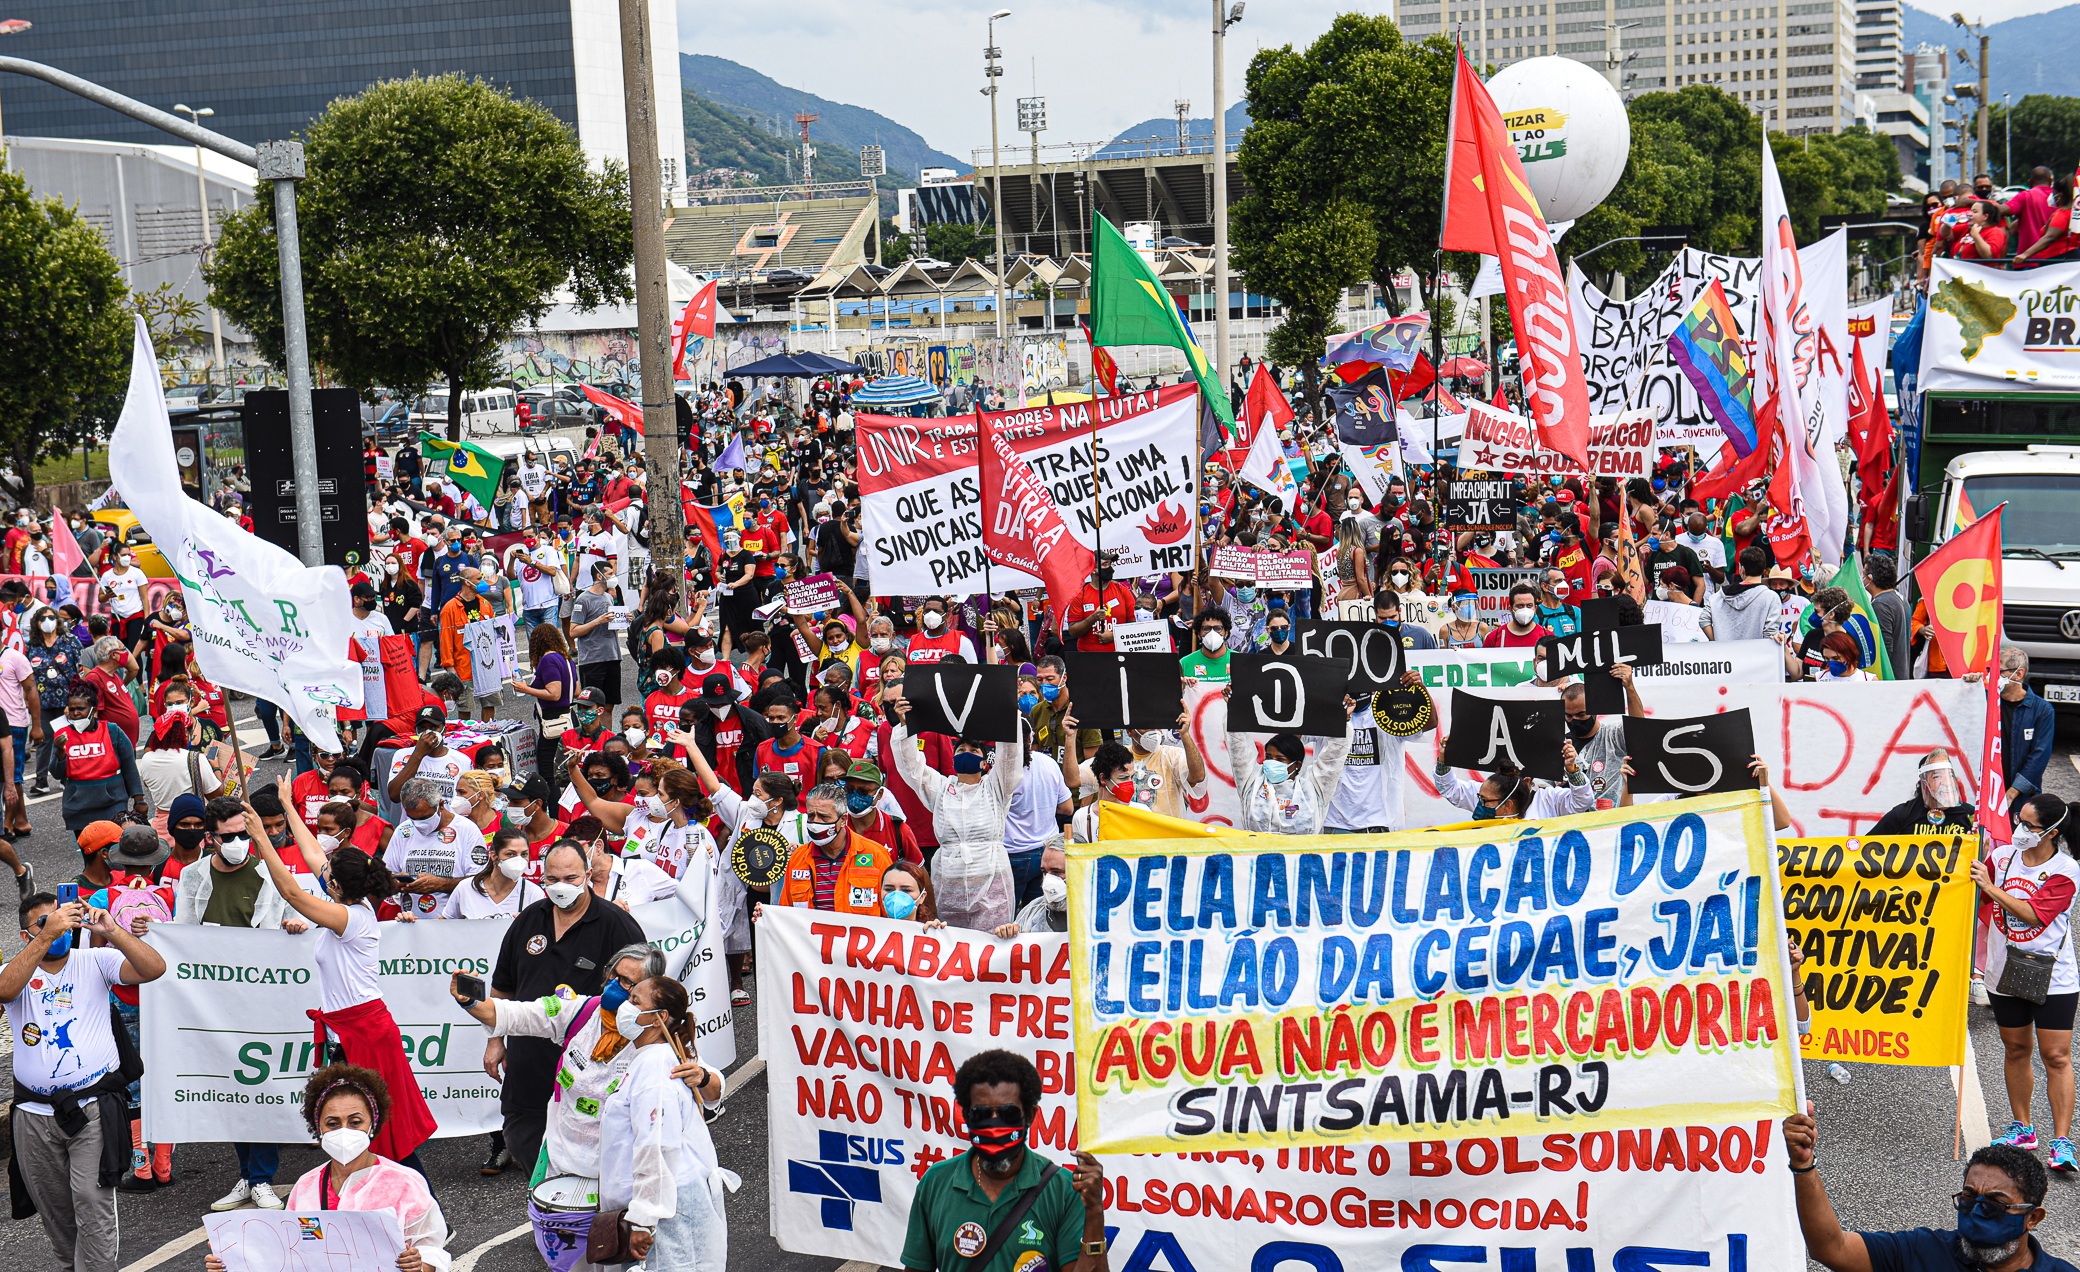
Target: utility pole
1984 163
1220 182
990 54
1032 121
653 300
216 320
803 121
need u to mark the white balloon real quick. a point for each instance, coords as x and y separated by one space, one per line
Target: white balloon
1570 128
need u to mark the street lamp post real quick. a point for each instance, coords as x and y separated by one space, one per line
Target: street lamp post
216 320
11 26
1221 23
996 157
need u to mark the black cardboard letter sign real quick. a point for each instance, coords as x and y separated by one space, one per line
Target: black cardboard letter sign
1370 652
1286 693
1492 733
1125 691
1691 757
976 703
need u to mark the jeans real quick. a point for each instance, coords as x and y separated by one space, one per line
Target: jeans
1025 877
21 751
258 1163
540 614
270 718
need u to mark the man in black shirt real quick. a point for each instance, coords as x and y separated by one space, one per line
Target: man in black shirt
1938 806
567 939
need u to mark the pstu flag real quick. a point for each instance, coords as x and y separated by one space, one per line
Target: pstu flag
1022 526
471 467
1394 344
698 319
1130 307
1489 208
1707 345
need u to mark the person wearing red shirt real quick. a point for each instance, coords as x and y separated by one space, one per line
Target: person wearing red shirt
863 809
787 751
406 547
937 637
670 691
766 545
1523 630
1984 238
1096 608
313 790
113 702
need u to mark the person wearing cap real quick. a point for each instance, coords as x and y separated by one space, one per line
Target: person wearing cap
591 726
531 809
1791 603
97 764
875 814
430 757
728 732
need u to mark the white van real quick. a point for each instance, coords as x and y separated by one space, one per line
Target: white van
550 448
484 411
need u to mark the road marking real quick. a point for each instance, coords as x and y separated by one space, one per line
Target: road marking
857 1265
742 1077
1977 1127
163 1253
44 799
468 1262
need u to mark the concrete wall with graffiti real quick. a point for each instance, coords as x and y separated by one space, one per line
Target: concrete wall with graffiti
602 357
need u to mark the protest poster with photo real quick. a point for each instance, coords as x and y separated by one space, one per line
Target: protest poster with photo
813 595
921 492
1232 561
860 1105
1885 924
1493 584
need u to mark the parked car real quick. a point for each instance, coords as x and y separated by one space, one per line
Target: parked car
120 525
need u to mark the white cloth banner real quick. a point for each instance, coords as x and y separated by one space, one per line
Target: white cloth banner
862 1103
1374 466
920 482
1840 753
1620 445
1988 328
1800 366
687 928
225 1035
264 624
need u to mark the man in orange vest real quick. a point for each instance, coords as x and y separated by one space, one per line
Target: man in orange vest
836 870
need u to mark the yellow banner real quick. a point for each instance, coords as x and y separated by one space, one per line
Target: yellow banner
1886 928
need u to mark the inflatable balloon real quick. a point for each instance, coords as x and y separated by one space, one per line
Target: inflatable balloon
1570 129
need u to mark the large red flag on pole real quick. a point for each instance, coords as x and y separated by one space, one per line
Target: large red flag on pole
1022 526
1961 585
1489 208
697 320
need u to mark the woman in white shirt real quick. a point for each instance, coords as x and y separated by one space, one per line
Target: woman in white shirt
2032 884
501 887
656 1159
345 1107
351 1007
122 590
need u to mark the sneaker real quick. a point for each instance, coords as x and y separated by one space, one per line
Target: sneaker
1979 997
131 1182
273 749
2019 1135
239 1196
496 1163
26 880
737 997
41 788
711 1113
2062 1154
263 1197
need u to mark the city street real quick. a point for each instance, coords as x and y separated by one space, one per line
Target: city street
1885 1140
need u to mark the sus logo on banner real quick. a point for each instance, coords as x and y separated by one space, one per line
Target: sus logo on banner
1490 734
1691 757
970 702
1287 693
1125 691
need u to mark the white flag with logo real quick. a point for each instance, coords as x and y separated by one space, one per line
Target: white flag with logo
1265 468
264 623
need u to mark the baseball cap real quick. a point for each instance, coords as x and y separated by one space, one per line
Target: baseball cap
531 789
864 771
364 591
98 835
590 697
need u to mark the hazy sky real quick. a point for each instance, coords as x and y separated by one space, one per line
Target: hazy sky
1101 64
1987 11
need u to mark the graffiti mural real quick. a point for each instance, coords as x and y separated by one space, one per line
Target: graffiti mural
606 357
1044 363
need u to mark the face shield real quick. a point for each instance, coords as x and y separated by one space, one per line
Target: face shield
1939 786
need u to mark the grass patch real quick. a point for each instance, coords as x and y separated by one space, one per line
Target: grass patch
69 469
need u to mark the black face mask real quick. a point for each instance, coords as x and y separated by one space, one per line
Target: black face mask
1583 728
997 1131
189 839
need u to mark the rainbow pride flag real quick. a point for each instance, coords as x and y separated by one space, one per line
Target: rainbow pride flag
1708 347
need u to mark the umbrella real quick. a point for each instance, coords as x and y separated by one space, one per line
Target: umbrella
1464 368
806 365
896 390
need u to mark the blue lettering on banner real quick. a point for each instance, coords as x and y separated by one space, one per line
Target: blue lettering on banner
833 1176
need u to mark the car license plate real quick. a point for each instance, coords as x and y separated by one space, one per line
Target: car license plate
2062 693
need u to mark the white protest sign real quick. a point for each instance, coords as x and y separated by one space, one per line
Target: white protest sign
1151 636
295 1240
1988 328
691 940
861 1105
386 468
1620 445
1679 623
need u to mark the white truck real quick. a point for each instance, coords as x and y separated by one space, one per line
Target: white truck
2040 551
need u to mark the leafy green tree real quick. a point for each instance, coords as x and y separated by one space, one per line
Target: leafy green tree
1658 187
64 324
2041 131
1728 137
1835 174
173 318
439 216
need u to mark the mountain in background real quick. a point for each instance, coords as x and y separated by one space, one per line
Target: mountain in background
723 148
2039 53
1164 128
838 134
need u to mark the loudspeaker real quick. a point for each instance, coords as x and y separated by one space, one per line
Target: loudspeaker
342 479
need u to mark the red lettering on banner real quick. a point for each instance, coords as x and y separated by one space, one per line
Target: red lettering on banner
1848 734
1959 753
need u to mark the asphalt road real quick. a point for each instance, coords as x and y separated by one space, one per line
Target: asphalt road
1886 1140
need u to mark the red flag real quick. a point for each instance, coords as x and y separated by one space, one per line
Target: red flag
1103 369
1489 208
698 320
1993 793
1961 582
1414 384
1264 403
627 414
1730 473
65 553
1022 526
1501 402
1870 427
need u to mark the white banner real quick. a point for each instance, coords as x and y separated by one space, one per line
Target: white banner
1988 327
693 956
1620 445
264 624
861 1104
920 483
1840 753
226 1039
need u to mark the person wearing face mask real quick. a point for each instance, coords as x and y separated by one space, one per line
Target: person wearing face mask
54 655
430 757
1940 804
1048 911
1507 795
1682 619
70 1154
481 792
171 766
2032 883
1710 549
971 875
1367 796
1523 630
966 1195
1599 742
1999 1209
1418 607
501 887
97 765
432 849
939 637
1091 616
1554 613
1168 778
906 896
786 750
1287 792
837 870
1207 661
187 829
2027 725
1464 629
469 641
728 733
873 813
234 890
122 591
109 676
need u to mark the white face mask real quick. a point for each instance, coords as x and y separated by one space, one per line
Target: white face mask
882 644
722 712
1524 614
563 895
514 868
233 852
1399 578
1151 739
628 1020
345 1144
2026 839
1213 641
329 843
634 733
756 809
47 625
426 825
1661 591
1055 891
933 620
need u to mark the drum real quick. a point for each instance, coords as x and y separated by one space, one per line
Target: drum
561 1209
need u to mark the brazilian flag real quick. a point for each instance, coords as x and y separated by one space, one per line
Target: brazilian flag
472 467
1862 623
1130 307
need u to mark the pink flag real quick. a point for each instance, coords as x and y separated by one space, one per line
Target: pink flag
627 414
65 553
